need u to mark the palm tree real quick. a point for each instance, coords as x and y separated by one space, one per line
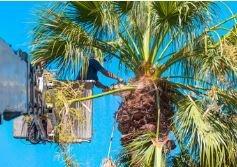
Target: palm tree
185 64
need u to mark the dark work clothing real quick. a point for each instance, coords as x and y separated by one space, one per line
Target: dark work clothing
93 68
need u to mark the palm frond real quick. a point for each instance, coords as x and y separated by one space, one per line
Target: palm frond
179 21
57 39
123 7
97 18
205 136
217 63
231 37
207 58
141 151
182 16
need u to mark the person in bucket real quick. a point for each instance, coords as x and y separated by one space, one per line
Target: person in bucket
94 67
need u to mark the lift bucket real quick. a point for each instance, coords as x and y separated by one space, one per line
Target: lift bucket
80 128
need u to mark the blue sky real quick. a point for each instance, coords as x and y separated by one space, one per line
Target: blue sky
16 21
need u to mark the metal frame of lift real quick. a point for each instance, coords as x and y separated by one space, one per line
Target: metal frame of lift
36 123
37 129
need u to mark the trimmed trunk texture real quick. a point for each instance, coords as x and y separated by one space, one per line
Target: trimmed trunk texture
138 111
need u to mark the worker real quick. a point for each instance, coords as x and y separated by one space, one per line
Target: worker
93 68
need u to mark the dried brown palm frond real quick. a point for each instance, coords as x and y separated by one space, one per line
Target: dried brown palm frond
230 52
67 113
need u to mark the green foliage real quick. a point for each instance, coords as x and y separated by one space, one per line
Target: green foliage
182 43
142 151
71 31
206 132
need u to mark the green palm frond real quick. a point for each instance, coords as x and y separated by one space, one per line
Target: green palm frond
182 15
208 58
57 39
178 22
98 18
219 62
231 37
205 134
142 151
58 26
129 52
123 7
65 56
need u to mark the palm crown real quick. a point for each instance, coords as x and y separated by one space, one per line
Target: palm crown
177 42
